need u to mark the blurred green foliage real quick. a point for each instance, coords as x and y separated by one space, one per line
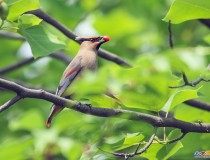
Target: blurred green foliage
138 35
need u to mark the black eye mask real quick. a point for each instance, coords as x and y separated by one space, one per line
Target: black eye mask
95 39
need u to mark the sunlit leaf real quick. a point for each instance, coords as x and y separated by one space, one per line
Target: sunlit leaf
103 101
131 140
14 148
41 41
127 24
183 10
19 7
28 20
179 97
169 150
152 151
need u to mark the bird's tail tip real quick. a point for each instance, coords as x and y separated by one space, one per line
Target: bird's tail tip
54 111
48 122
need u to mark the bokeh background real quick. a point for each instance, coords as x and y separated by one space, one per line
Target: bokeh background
140 36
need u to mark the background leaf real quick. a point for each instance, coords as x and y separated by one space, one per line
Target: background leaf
137 35
179 97
41 41
17 8
184 10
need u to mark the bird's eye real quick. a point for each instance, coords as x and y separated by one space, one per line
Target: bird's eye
93 39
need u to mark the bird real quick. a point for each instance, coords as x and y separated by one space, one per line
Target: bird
86 59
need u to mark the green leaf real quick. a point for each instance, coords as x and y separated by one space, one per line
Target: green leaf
28 20
90 85
207 38
179 97
15 148
30 120
185 112
152 151
19 7
102 101
127 24
41 41
169 150
131 140
184 10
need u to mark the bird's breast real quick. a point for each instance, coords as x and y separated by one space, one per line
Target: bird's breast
89 61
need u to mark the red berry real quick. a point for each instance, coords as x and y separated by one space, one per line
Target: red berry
106 38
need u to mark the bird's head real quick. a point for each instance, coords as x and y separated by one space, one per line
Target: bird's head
93 41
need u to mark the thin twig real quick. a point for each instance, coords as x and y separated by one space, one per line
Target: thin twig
61 56
9 103
170 34
102 53
16 65
58 55
173 140
137 151
177 139
11 36
187 83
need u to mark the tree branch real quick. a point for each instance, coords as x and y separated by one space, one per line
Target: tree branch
61 56
172 140
187 83
177 139
11 36
170 34
206 22
102 53
17 65
198 104
58 55
24 92
9 103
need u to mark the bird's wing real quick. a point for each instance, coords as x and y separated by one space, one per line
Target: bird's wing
69 75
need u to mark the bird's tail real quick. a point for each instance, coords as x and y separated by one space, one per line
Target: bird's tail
54 111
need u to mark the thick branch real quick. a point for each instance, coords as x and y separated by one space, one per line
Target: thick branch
198 104
102 53
24 92
206 22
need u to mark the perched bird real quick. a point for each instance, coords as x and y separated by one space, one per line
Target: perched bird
86 59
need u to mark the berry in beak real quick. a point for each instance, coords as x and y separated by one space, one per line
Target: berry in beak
106 38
